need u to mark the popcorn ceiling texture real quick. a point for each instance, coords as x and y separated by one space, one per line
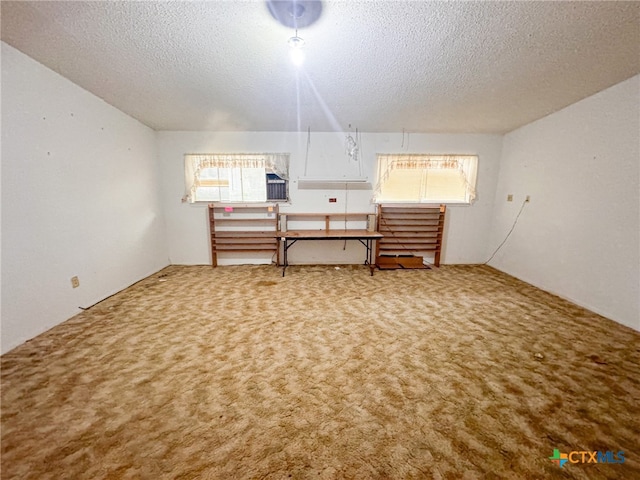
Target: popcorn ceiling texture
236 372
382 66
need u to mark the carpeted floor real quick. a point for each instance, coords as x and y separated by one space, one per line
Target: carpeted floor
236 372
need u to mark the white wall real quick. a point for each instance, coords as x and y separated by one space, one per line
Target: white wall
79 197
579 236
467 227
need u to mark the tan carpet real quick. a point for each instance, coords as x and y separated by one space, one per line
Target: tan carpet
236 372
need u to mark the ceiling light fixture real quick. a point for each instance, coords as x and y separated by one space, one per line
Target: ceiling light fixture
295 13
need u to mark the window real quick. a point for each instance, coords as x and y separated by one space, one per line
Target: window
236 177
418 178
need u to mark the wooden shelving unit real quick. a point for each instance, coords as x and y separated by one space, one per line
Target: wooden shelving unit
410 229
243 228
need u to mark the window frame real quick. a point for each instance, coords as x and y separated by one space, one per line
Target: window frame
271 164
465 164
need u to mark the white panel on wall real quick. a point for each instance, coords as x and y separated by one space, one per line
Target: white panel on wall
80 197
579 237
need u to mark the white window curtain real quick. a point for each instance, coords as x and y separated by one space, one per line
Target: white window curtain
277 163
426 178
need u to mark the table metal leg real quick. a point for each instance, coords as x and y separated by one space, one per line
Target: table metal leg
284 248
370 254
287 245
368 260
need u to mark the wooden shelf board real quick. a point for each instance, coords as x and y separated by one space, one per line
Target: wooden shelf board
411 216
424 235
244 248
253 221
408 229
244 234
407 248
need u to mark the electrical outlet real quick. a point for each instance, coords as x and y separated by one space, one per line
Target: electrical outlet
528 199
510 197
75 282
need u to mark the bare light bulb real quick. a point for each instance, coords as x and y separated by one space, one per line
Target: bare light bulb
296 53
297 56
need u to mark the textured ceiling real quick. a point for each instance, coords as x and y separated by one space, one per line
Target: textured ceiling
381 66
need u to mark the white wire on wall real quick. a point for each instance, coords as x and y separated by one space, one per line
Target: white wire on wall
508 234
